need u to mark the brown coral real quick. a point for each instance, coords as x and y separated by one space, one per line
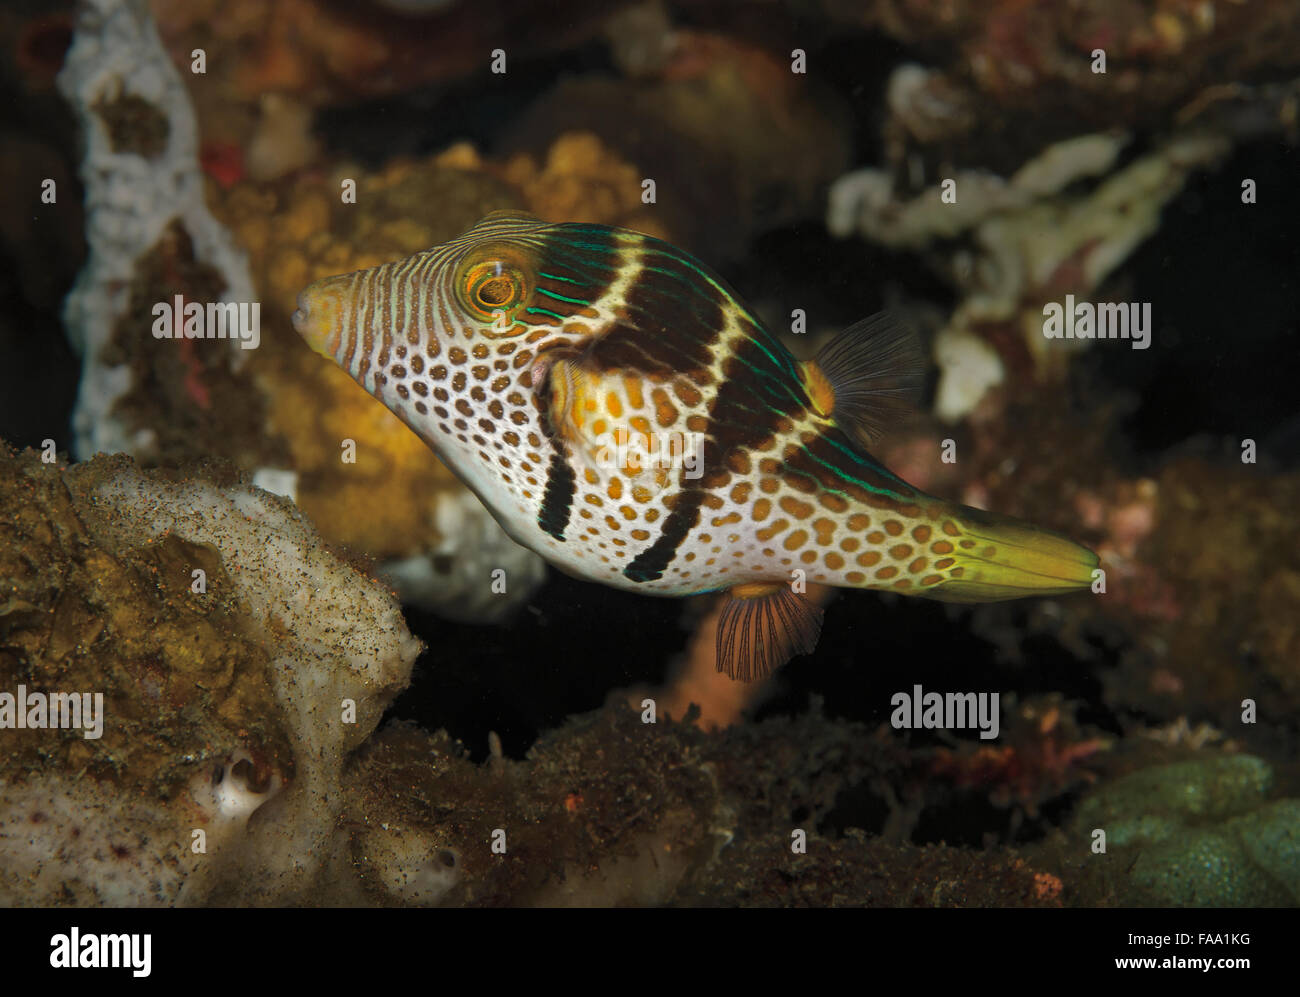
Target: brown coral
183 678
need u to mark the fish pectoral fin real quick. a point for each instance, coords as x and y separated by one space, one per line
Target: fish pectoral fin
868 377
764 626
555 379
562 386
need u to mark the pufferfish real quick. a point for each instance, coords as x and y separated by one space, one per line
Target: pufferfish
623 414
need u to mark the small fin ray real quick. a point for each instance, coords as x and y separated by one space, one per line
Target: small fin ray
875 370
762 627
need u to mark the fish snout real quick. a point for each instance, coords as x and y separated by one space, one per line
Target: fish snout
300 313
317 318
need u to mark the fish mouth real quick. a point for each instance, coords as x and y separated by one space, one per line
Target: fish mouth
299 317
316 319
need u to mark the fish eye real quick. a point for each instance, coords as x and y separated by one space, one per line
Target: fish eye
492 286
495 291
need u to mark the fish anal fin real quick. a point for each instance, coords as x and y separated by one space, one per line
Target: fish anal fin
868 378
762 627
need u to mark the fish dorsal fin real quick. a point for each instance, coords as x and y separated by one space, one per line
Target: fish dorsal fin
868 377
510 214
762 627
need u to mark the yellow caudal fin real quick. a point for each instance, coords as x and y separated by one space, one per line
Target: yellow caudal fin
994 558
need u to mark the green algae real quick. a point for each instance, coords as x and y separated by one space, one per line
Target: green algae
1200 834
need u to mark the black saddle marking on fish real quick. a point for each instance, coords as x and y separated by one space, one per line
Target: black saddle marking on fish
836 461
557 499
648 566
561 481
734 425
678 319
579 263
667 325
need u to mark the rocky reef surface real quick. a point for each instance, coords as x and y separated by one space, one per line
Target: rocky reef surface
235 662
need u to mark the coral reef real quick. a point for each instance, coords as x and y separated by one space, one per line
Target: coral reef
1014 72
735 142
266 736
1211 643
239 661
1010 246
1190 637
144 196
580 179
668 814
323 52
102 557
1199 834
1044 754
274 409
760 145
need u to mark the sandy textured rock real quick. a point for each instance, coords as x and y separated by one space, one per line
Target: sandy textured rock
239 660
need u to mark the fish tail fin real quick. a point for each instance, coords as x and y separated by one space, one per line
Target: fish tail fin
987 558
